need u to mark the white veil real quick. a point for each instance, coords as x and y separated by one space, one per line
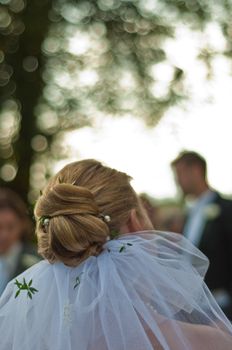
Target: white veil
144 291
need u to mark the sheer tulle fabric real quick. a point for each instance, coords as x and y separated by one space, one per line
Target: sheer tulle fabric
144 291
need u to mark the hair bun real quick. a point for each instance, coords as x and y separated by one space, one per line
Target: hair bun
75 231
82 215
67 199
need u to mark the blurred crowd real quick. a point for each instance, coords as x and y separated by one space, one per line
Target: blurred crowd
203 216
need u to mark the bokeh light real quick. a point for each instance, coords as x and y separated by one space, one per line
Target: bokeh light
141 68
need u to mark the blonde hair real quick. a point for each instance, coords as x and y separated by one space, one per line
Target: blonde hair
74 201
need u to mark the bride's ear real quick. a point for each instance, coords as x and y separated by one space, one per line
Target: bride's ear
135 222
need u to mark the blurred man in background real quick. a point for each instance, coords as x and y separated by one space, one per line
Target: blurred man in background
16 254
208 224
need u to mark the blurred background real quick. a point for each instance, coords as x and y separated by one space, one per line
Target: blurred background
130 83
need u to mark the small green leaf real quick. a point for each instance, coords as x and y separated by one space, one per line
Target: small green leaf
17 293
17 283
30 283
122 249
78 281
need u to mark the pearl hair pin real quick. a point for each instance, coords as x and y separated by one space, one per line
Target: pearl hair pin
45 222
105 218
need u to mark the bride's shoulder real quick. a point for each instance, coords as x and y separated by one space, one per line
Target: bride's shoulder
27 281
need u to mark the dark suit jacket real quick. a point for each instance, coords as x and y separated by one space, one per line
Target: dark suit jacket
216 244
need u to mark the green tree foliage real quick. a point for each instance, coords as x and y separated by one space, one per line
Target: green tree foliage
64 63
23 28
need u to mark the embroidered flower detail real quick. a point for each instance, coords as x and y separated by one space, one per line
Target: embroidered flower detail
25 286
67 314
77 281
151 307
124 246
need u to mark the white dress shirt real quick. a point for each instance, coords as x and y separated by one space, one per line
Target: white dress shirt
193 231
195 224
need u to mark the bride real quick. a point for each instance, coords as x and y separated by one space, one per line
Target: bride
108 281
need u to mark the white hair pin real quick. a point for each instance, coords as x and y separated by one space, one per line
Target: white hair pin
45 222
105 218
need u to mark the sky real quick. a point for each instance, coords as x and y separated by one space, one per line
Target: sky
203 124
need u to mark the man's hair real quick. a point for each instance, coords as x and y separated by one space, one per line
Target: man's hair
190 158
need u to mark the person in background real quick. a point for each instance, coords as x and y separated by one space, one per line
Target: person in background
208 224
16 255
152 210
